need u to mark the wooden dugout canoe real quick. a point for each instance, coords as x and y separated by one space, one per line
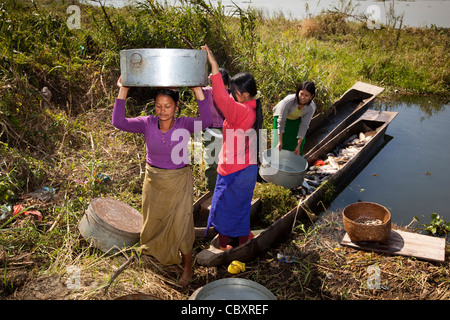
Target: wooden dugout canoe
371 120
324 126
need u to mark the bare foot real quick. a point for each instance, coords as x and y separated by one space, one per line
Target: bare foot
186 276
229 247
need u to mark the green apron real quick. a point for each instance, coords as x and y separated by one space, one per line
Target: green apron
289 135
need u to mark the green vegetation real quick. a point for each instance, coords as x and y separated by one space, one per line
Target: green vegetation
437 225
277 201
66 140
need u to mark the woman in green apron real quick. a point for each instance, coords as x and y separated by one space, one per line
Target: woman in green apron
292 116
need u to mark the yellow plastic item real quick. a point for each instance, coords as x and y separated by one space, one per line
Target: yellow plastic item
236 267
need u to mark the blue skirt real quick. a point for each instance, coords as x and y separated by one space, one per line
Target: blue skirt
231 203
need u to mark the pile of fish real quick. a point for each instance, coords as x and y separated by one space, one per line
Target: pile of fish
369 222
323 169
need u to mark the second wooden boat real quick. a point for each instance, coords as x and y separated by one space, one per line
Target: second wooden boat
370 121
323 127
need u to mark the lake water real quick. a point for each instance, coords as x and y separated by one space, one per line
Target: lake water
411 174
416 13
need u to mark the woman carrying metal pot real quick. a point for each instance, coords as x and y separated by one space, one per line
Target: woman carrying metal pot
167 195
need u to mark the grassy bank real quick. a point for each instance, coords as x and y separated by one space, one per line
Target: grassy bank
65 141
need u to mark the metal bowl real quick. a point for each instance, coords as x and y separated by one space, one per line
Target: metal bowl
283 168
233 289
163 67
109 223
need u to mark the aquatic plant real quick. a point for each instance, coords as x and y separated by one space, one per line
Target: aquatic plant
437 226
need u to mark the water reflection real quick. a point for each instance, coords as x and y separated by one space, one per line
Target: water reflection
410 174
429 105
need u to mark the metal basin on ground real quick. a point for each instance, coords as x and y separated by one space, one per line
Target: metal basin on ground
109 223
163 67
233 289
283 168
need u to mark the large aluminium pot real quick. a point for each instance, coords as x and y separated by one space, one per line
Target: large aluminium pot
109 224
232 289
283 168
163 67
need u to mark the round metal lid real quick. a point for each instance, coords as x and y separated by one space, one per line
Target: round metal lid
116 214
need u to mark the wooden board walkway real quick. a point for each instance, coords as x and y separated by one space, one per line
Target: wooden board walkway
405 244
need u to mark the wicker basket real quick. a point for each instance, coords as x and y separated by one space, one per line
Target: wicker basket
361 211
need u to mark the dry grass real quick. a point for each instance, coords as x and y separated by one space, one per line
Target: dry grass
309 27
324 24
346 271
322 270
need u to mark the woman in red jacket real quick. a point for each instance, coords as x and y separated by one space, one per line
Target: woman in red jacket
237 169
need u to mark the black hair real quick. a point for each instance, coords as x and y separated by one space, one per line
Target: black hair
245 82
308 86
225 76
168 92
174 94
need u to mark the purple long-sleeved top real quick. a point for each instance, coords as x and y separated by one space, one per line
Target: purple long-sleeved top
216 115
167 150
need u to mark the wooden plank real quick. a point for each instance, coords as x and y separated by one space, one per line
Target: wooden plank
405 244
